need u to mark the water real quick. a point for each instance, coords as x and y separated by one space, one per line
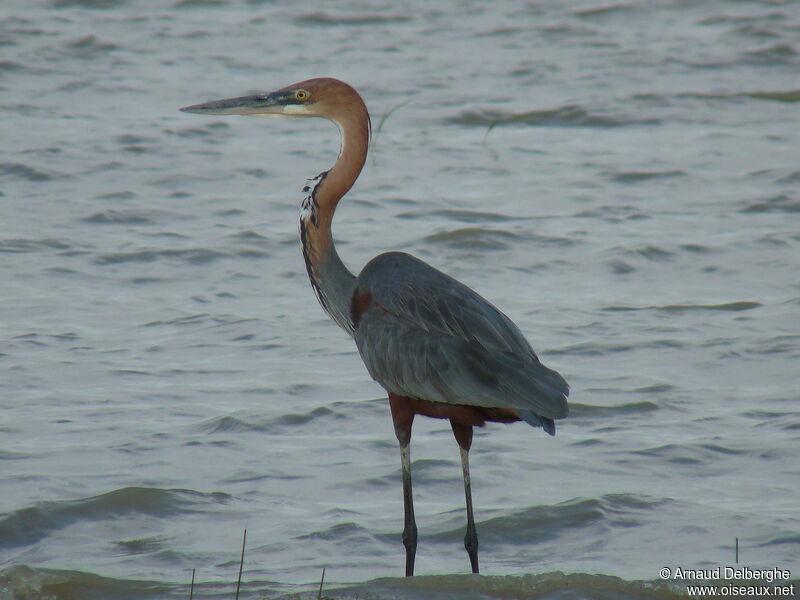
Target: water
621 179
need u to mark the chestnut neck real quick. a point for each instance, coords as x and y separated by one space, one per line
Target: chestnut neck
333 283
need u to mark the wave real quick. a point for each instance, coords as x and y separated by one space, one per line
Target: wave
776 54
27 245
473 238
50 584
46 584
542 523
776 96
653 253
194 256
777 204
31 524
639 176
91 4
338 411
597 349
678 308
462 216
578 410
320 18
341 533
570 115
230 423
88 47
28 173
785 96
491 239
622 9
746 18
120 217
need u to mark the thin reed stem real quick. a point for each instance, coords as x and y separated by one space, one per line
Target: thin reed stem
241 565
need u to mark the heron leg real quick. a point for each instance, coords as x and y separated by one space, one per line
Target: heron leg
410 525
463 435
403 417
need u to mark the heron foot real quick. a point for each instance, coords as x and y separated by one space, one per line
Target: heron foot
471 544
410 542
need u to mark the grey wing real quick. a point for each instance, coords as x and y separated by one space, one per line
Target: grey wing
423 334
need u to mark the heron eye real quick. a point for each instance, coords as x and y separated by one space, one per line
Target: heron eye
301 95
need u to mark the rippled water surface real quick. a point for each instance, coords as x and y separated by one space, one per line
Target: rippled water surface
620 179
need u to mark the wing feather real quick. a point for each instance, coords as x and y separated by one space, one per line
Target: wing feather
426 335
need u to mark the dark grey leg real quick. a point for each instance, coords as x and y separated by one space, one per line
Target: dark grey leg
403 418
410 525
471 539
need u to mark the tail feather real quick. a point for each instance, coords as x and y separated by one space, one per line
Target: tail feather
540 390
535 420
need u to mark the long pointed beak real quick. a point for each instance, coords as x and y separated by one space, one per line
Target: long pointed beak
257 104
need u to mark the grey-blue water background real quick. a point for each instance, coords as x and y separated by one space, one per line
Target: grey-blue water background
621 179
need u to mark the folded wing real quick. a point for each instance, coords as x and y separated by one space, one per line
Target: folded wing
423 334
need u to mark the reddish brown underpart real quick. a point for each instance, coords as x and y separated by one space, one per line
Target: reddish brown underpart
462 417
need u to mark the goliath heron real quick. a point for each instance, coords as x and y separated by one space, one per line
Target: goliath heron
437 347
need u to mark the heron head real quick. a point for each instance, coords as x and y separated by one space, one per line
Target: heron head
322 97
